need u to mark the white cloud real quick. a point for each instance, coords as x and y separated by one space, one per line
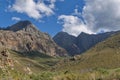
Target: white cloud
102 15
52 5
73 25
34 9
16 18
76 12
98 15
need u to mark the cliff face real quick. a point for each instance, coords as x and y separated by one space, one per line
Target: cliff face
24 37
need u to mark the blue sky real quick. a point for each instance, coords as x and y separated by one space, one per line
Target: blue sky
71 16
47 24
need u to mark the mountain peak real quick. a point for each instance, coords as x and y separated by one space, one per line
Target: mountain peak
25 22
22 25
25 37
83 33
63 34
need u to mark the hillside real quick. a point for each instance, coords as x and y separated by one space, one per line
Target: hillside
15 65
105 54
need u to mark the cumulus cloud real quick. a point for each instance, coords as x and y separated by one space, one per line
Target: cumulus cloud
102 15
73 25
34 9
16 18
98 15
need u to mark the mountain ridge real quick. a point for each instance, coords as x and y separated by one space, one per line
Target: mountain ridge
105 54
81 43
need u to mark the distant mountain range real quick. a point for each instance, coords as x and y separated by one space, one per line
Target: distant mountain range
25 37
80 44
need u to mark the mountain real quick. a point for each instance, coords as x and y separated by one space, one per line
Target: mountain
67 42
80 44
86 41
101 62
26 51
22 25
105 54
25 37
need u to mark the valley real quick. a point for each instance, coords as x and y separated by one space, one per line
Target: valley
26 51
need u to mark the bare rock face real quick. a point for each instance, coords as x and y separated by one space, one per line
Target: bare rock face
24 37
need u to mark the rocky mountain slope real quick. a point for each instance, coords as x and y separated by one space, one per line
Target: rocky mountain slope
25 37
80 44
67 42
